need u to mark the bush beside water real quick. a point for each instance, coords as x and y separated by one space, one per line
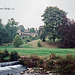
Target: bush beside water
6 56
53 63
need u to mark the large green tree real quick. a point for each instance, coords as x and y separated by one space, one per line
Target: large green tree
11 27
52 17
3 33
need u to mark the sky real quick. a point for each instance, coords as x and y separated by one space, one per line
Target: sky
29 12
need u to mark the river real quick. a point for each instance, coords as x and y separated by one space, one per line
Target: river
14 69
6 68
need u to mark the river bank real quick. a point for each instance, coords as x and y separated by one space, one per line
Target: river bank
22 70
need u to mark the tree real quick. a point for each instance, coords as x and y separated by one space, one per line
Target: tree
3 33
1 24
12 22
14 56
3 36
17 41
66 32
11 27
42 34
32 30
52 17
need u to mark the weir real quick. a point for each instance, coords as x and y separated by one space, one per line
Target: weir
3 64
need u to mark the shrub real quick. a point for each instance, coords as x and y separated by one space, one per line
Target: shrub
39 44
14 56
34 57
5 53
52 56
41 62
65 66
1 56
23 62
28 40
17 41
60 65
7 44
49 64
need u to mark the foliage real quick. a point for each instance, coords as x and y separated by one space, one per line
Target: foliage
52 17
6 56
52 56
32 30
31 61
49 65
66 32
11 27
34 57
39 44
1 24
62 66
1 55
36 37
5 53
17 41
42 34
8 31
3 33
14 56
12 22
27 39
65 66
3 36
6 44
41 62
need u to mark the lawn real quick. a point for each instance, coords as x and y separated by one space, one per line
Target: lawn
27 50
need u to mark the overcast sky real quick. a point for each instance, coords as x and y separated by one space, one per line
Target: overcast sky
28 12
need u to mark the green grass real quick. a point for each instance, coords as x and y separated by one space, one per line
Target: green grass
27 50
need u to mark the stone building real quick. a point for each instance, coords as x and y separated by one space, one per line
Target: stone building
26 32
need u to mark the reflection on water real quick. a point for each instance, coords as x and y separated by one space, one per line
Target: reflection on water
14 69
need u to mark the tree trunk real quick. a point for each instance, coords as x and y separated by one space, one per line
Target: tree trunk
43 40
53 39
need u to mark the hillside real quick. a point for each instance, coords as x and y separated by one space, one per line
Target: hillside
44 44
